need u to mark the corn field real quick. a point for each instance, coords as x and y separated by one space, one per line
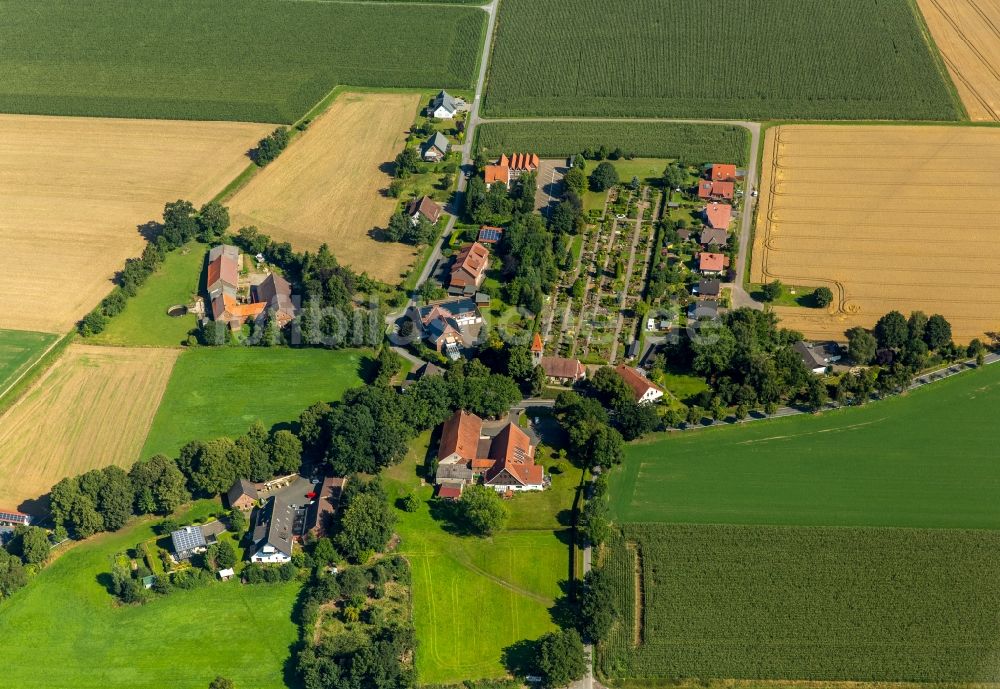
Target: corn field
756 602
734 59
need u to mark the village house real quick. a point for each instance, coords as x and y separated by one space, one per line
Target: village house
644 390
469 269
706 309
723 172
444 106
715 191
435 148
712 264
223 288
504 462
719 215
510 168
707 288
424 207
559 370
191 540
272 531
489 235
14 518
710 236
443 324
818 356
242 495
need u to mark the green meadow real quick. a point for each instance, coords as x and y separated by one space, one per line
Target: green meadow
924 459
218 391
474 597
64 629
255 60
19 349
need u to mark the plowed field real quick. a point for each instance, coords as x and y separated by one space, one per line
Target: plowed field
888 217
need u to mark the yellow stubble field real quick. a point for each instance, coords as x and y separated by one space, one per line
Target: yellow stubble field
328 185
967 33
92 408
74 191
888 217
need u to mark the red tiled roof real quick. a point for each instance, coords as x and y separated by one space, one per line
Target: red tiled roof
496 173
536 343
712 263
449 491
426 206
708 189
719 215
635 380
513 452
460 435
723 172
561 367
470 264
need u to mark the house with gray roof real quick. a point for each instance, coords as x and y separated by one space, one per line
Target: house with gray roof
272 531
435 148
187 541
445 106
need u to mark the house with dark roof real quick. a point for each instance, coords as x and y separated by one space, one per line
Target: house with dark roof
272 531
706 309
505 462
190 540
469 269
644 390
707 288
818 356
562 370
242 495
710 236
275 293
442 324
445 106
510 168
435 148
424 207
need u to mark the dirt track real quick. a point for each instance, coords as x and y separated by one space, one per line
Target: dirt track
888 217
91 409
967 33
74 190
327 186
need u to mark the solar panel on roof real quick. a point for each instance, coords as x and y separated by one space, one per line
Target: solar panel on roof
489 235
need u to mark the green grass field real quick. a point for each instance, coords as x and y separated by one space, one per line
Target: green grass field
473 597
144 322
220 391
925 459
780 59
63 629
696 143
760 602
19 349
257 60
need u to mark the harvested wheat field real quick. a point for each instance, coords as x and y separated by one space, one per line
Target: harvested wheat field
328 186
967 33
888 217
75 190
92 408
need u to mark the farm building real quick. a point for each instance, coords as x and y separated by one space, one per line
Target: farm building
818 356
445 324
712 264
275 292
326 504
510 168
225 291
710 236
715 191
242 495
272 531
489 235
504 462
719 215
469 269
435 148
424 207
449 491
723 172
445 106
14 518
644 390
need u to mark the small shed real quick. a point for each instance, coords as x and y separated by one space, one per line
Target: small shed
148 581
226 574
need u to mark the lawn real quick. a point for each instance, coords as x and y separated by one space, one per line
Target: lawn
696 143
144 322
221 391
472 597
763 602
925 459
19 349
836 59
257 60
63 629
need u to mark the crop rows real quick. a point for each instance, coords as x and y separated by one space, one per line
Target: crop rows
825 59
810 603
255 60
696 143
